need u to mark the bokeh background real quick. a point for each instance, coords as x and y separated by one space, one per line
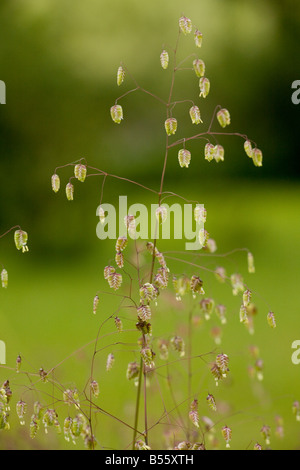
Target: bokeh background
59 60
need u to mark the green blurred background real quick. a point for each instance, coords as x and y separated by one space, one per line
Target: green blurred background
59 60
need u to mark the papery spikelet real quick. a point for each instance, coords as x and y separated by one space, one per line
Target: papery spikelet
55 182
195 115
49 419
68 428
257 157
133 370
183 445
210 246
151 248
258 366
121 243
178 345
207 307
119 258
226 433
203 236
116 113
222 362
108 271
223 117
257 446
163 349
204 85
185 24
120 75
199 67
141 445
247 297
119 324
95 304
248 148
4 278
164 59
21 408
115 280
148 292
220 310
78 424
129 221
80 172
95 388
144 312
216 333
244 315
296 409
147 356
21 239
219 153
271 319
198 38
220 274
110 361
193 413
209 152
200 214
196 285
184 158
161 214
181 286
265 432
171 126
251 267
18 363
34 426
237 283
211 402
70 191
37 409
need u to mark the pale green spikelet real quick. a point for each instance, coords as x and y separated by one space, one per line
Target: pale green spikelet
164 59
55 182
116 113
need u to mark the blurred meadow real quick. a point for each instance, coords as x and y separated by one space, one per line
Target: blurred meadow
59 60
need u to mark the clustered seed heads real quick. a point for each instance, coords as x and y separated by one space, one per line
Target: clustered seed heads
189 285
214 152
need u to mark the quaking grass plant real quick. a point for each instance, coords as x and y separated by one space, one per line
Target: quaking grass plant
142 281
